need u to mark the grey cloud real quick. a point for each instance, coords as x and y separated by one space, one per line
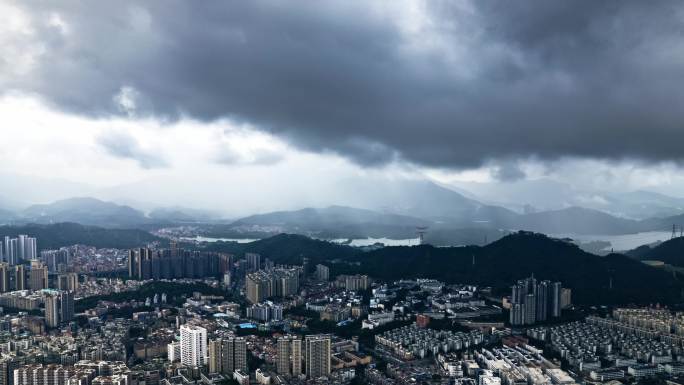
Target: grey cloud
508 172
125 146
508 80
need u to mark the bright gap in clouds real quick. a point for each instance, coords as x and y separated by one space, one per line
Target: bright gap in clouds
108 152
230 168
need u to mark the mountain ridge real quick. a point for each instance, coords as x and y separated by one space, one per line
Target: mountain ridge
612 279
54 236
85 210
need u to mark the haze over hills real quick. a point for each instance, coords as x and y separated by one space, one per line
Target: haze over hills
362 207
182 215
411 196
577 220
546 194
87 211
21 191
329 216
466 221
570 220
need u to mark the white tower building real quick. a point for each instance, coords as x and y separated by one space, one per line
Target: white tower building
193 345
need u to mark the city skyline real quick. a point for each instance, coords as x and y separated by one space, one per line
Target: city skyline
341 192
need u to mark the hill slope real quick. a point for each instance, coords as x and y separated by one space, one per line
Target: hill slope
670 252
576 220
66 234
334 222
502 262
87 211
333 215
498 264
289 249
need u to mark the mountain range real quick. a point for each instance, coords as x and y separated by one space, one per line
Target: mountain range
88 211
391 209
545 195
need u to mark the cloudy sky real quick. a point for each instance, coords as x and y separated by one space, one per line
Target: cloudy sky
268 93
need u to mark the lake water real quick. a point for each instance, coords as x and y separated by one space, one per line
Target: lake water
209 239
386 241
355 242
617 242
621 242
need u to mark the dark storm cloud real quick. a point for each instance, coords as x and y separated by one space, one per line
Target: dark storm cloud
483 81
508 172
122 145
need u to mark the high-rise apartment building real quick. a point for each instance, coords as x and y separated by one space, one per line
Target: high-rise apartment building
289 359
542 307
265 312
54 259
566 298
51 309
145 263
27 248
296 354
533 301
68 281
530 308
18 249
556 300
59 307
214 350
356 282
19 277
173 351
317 352
322 272
7 366
278 282
283 359
38 276
52 374
8 250
253 261
227 355
66 306
193 345
258 287
4 277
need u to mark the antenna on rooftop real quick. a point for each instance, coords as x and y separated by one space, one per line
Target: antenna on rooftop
421 230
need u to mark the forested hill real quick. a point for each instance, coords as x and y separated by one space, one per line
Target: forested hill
670 252
289 249
66 234
498 264
501 263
